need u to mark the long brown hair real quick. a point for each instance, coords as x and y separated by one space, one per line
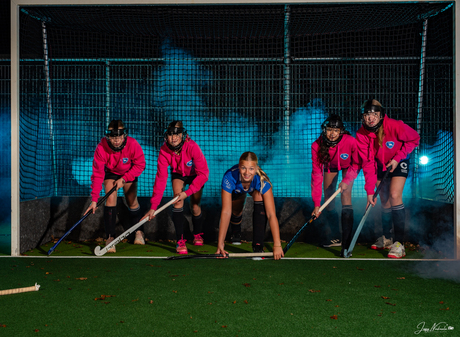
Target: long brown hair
251 156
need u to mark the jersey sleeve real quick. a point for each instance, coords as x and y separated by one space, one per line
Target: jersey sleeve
201 169
410 139
161 179
228 185
97 178
138 162
316 176
367 159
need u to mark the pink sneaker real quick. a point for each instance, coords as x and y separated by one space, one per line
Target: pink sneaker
180 247
198 240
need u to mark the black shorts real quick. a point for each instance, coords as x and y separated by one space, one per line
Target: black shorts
402 170
187 179
111 175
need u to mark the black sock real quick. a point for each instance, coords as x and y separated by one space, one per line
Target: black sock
387 223
135 217
347 225
259 222
178 219
399 221
110 220
197 222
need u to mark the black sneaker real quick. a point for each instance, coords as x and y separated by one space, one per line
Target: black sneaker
333 243
258 248
236 239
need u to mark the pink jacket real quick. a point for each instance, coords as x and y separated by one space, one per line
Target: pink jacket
398 142
343 156
190 161
129 163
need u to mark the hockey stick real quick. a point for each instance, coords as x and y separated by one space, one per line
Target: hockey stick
311 220
347 252
99 203
99 252
215 256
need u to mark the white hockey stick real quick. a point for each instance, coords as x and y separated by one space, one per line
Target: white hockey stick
99 252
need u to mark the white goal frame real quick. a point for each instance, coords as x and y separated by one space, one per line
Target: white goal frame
15 108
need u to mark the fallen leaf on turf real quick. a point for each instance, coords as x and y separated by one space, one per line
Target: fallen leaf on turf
36 330
2 325
328 300
401 278
377 286
246 285
390 304
334 317
103 297
151 301
385 297
47 273
314 291
441 302
174 291
234 302
246 301
445 308
359 268
82 278
393 312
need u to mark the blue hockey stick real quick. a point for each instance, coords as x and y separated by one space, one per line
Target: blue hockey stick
311 220
99 203
347 252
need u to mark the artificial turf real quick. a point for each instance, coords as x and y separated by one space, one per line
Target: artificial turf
167 248
229 297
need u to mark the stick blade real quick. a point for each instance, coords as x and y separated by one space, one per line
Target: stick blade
98 251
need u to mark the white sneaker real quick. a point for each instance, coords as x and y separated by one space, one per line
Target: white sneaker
333 243
139 240
397 251
113 249
382 243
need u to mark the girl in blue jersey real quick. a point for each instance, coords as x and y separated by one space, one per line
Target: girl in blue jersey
242 179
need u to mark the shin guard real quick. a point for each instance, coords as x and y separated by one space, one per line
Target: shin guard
110 219
347 225
399 221
179 220
387 223
259 223
135 216
197 222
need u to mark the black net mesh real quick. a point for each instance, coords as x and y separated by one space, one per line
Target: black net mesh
259 78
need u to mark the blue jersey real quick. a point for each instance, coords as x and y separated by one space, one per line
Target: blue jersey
231 183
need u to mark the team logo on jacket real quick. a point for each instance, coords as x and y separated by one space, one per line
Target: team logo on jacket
189 163
227 184
125 160
390 144
344 156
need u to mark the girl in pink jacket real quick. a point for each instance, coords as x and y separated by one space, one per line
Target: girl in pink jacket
385 144
118 160
188 167
335 150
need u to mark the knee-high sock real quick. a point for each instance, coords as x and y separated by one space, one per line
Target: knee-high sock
387 222
235 222
135 217
399 221
178 219
331 224
259 222
347 225
110 219
197 222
